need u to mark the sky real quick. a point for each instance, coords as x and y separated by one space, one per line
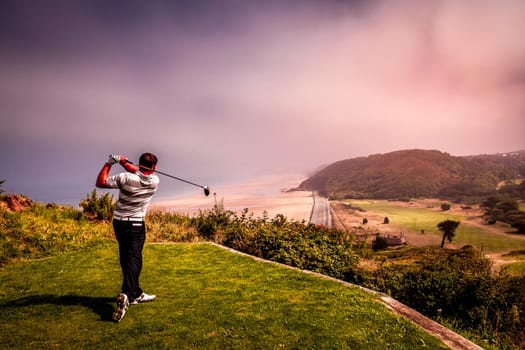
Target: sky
225 90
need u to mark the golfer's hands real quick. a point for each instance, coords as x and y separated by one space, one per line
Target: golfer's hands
117 158
114 159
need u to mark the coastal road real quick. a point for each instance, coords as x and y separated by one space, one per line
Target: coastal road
320 211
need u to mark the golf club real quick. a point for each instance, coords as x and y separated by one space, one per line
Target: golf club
205 188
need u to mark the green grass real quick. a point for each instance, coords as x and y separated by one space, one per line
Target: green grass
40 232
516 268
207 298
417 219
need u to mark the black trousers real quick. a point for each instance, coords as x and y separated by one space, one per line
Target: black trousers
131 236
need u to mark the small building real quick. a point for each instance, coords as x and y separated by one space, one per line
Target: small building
395 240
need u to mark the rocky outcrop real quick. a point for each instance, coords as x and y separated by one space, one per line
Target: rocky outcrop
15 202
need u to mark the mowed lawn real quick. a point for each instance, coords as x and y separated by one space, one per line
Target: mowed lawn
417 219
207 298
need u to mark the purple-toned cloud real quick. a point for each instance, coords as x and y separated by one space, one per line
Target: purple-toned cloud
226 89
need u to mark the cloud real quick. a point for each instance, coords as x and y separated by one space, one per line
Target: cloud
222 90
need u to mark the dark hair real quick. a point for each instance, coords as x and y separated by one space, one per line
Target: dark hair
148 160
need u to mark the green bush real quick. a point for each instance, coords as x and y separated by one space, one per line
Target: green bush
458 287
445 206
293 243
210 222
99 208
507 211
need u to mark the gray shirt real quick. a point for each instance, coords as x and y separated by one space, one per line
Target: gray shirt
135 194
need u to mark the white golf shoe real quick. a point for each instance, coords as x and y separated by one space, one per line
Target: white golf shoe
122 307
144 298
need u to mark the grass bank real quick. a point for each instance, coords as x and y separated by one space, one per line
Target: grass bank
208 298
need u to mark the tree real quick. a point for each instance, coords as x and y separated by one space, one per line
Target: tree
448 227
1 184
508 205
519 225
445 206
489 204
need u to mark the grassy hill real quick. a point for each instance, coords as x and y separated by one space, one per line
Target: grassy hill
207 298
417 173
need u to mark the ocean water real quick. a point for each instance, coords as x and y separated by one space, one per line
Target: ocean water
72 193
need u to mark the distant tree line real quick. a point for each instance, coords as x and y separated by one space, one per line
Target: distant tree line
504 210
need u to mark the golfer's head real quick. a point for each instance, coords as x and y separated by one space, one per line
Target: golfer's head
147 162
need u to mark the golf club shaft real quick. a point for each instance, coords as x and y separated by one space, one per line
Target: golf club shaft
175 177
178 178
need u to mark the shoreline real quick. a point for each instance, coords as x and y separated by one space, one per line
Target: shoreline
263 194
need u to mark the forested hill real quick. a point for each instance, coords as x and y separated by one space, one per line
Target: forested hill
419 173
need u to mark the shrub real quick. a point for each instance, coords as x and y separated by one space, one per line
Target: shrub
445 206
293 243
457 287
42 231
507 211
211 222
99 208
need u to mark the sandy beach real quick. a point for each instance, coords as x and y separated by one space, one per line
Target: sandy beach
266 193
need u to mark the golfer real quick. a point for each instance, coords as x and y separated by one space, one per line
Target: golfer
137 185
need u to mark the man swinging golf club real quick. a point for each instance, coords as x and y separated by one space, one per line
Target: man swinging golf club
137 185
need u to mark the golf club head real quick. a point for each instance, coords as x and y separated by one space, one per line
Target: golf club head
206 191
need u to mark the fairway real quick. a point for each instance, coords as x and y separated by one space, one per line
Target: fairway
418 220
207 298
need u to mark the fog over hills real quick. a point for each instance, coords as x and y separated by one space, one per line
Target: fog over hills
418 173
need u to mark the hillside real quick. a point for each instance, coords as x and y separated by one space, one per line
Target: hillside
416 173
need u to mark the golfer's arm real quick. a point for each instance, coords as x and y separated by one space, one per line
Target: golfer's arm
130 168
102 178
